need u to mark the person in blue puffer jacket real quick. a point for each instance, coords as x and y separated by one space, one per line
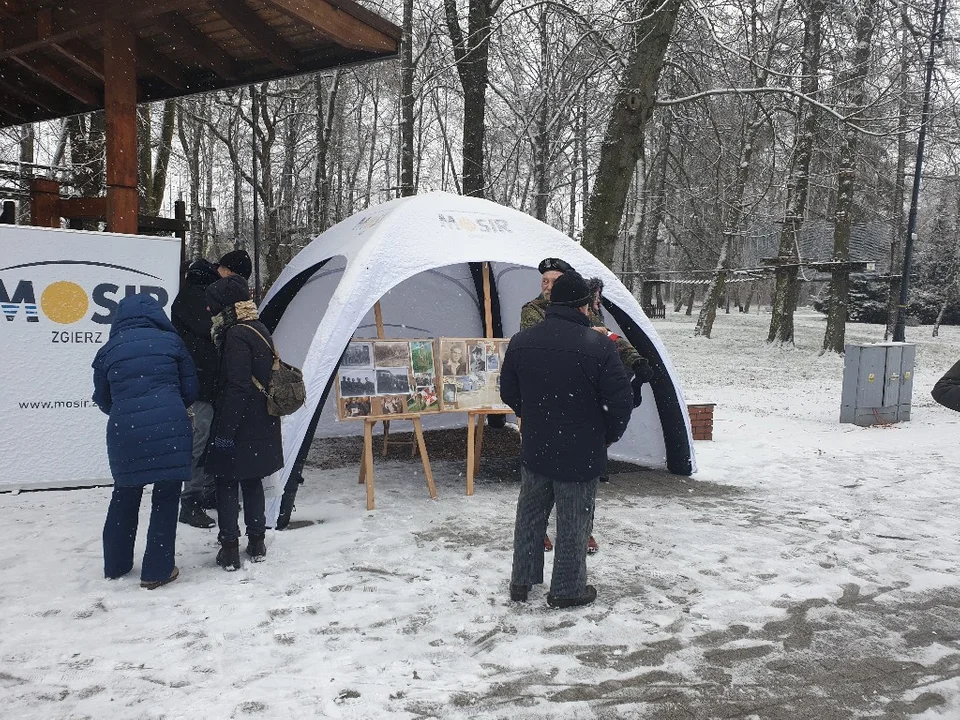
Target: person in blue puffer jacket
145 380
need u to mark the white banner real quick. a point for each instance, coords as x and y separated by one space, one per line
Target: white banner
59 292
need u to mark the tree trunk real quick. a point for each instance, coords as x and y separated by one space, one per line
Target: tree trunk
737 207
471 54
657 207
162 160
27 156
899 190
632 109
541 150
144 157
787 287
407 186
854 85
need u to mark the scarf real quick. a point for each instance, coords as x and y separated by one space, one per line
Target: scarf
230 316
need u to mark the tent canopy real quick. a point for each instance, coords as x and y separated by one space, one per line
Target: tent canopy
421 257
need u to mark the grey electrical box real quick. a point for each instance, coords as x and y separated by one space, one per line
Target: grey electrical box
877 383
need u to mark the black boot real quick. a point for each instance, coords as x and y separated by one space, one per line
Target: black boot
229 555
256 548
192 514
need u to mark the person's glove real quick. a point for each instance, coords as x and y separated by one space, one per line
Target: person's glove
642 373
222 452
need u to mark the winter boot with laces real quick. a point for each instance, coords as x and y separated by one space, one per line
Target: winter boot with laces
256 548
229 555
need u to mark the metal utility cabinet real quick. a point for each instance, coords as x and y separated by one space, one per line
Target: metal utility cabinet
877 383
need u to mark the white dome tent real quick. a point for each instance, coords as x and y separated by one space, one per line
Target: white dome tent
421 258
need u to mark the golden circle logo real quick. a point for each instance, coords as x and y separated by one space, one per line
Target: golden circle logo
64 302
466 224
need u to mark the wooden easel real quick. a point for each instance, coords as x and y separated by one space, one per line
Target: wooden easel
366 459
475 423
476 418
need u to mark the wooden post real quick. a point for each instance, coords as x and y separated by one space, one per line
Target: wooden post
368 460
378 316
120 100
418 430
180 215
487 302
45 203
471 450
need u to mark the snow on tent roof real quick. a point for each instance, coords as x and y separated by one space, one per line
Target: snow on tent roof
421 257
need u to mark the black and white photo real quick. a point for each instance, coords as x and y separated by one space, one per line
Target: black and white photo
358 355
356 383
393 381
392 354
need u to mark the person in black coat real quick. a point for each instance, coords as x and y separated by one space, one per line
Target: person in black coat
568 385
245 444
193 323
947 390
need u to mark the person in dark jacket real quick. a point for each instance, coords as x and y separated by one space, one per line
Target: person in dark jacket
567 384
144 379
235 262
245 444
947 390
193 322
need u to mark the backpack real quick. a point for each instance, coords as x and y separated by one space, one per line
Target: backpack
285 391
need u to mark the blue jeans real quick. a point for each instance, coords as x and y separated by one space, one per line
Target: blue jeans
120 531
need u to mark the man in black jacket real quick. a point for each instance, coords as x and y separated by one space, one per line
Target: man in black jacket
192 321
567 384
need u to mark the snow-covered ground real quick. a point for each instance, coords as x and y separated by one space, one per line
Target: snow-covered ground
807 571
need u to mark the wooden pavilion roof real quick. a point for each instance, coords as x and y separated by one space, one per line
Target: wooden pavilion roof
52 51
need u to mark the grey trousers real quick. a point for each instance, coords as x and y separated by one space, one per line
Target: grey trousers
202 413
575 506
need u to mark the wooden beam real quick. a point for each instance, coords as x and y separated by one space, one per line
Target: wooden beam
343 28
9 117
194 42
83 56
120 95
50 72
84 208
44 203
25 86
153 62
79 19
257 32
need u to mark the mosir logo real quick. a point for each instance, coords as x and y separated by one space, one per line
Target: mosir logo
26 295
487 224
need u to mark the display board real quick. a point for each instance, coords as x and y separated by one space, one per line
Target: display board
59 292
384 378
470 373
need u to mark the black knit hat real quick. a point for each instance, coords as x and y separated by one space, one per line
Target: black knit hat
570 290
202 272
237 261
555 264
225 292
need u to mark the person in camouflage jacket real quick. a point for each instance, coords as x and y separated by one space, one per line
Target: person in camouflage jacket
533 312
636 366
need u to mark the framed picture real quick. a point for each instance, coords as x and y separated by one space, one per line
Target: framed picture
358 354
422 354
358 407
357 382
393 381
391 353
470 372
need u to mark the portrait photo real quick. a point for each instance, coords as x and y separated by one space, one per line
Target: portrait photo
449 393
477 358
453 358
